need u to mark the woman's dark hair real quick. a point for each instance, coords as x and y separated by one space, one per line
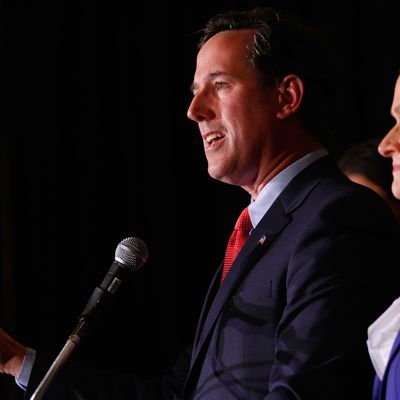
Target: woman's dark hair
363 158
284 45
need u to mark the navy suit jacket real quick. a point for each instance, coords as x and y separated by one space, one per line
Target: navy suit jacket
290 320
389 387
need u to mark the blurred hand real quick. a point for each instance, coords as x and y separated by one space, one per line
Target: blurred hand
12 354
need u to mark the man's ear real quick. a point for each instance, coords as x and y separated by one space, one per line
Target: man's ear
290 92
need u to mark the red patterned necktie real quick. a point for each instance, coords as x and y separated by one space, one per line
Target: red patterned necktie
237 240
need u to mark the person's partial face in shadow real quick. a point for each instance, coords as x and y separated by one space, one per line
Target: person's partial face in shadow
390 144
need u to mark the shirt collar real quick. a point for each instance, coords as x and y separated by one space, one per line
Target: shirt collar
277 184
381 337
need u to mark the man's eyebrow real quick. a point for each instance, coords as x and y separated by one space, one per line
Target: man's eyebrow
210 77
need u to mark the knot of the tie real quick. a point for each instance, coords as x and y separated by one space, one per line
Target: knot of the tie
237 240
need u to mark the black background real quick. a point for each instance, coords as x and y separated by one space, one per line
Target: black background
96 147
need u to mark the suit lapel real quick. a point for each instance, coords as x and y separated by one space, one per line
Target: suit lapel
256 245
212 290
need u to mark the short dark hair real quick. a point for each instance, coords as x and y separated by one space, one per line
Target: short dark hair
283 44
363 158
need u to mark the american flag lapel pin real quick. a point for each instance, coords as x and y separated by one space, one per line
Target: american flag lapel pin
262 240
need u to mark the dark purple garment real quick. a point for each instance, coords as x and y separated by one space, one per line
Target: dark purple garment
389 387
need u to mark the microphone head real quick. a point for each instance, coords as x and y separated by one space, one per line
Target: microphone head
132 252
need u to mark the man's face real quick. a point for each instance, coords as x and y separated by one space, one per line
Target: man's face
234 110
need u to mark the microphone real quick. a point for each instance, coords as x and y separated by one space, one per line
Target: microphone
130 255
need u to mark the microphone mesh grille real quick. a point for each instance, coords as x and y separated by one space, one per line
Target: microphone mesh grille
132 252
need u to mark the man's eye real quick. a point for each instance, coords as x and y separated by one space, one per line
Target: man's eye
220 85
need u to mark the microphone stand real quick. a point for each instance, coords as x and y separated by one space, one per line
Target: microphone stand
130 255
63 356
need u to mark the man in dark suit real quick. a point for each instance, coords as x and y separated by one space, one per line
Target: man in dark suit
289 319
